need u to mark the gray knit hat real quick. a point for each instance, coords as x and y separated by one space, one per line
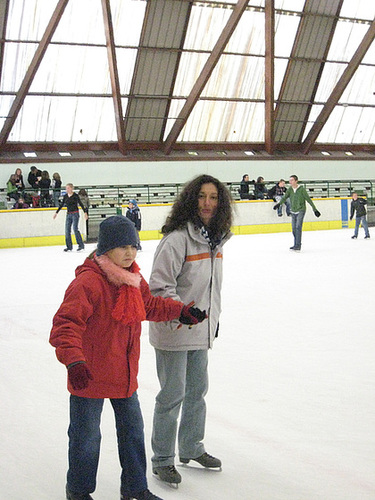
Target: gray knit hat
116 231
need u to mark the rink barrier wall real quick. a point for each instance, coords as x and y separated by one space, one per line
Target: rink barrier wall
36 227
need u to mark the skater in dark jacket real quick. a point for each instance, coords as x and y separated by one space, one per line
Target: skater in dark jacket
71 200
358 205
96 333
276 193
134 214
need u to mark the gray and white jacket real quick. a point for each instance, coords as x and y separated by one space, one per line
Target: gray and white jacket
186 269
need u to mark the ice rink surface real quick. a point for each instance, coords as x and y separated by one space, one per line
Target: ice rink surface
291 405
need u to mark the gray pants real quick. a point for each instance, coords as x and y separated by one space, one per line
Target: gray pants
183 380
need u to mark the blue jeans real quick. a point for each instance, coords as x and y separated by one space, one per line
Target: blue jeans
287 206
56 196
358 221
297 222
84 444
183 380
72 218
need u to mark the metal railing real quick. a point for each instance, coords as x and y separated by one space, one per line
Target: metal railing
105 199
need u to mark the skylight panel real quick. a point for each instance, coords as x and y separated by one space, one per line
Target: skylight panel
37 13
81 22
285 32
205 26
346 40
17 59
215 121
73 69
360 9
360 89
237 77
127 18
65 119
343 126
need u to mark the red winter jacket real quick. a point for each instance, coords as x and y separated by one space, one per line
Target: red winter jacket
84 330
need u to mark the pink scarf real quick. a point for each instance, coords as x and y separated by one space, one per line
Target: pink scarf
129 306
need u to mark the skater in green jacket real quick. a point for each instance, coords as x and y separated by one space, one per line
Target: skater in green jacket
298 197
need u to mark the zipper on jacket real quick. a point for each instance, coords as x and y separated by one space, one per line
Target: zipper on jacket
209 315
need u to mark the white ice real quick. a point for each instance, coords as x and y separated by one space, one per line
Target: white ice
291 407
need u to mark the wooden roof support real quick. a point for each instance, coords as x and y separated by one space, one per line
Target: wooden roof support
4 10
269 75
113 70
205 74
339 89
31 72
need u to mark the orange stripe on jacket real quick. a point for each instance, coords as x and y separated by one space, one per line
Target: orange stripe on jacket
201 256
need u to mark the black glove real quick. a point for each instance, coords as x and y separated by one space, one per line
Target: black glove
275 207
192 315
79 376
317 213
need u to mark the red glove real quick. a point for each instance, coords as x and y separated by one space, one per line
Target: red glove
79 376
192 315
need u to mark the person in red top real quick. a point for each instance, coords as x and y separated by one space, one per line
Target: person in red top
96 333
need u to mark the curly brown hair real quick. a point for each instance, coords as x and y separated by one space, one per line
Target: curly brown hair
185 208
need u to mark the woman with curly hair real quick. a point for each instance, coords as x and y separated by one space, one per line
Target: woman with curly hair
187 266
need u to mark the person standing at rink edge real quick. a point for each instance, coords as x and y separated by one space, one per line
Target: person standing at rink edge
358 206
187 265
71 200
96 333
298 197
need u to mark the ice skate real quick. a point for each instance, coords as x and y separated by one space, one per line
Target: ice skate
205 460
143 495
168 474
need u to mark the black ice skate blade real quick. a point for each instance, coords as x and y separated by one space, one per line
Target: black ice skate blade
174 486
197 466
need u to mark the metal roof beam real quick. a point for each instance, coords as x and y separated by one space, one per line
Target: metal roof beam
113 70
339 89
31 72
205 74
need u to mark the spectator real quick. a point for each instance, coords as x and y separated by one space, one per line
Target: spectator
187 265
56 186
276 193
260 190
96 333
298 197
19 181
44 185
12 189
134 214
20 205
245 188
34 177
358 205
85 200
71 201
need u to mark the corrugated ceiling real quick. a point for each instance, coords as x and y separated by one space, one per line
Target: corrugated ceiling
162 48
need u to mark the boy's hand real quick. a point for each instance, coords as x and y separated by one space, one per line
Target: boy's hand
275 207
79 376
192 315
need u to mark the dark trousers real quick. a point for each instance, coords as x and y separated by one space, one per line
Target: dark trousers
84 444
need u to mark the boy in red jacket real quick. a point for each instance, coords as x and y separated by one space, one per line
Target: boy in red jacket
96 333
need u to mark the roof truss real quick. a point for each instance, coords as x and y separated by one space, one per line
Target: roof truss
141 126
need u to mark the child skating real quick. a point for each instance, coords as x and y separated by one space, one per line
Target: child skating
96 333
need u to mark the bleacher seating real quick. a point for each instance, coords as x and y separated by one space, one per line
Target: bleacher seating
107 200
